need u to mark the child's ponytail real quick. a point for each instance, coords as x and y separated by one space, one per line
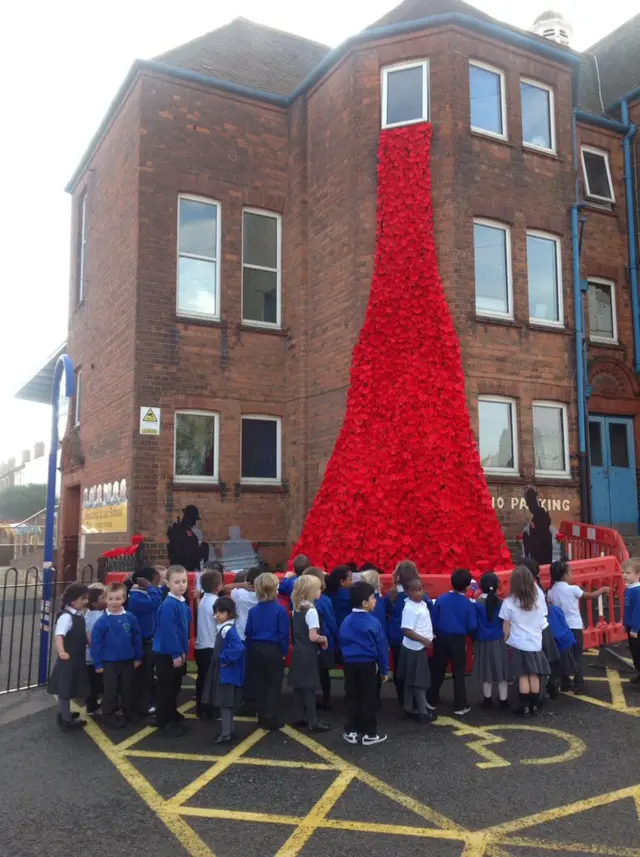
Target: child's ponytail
490 584
72 592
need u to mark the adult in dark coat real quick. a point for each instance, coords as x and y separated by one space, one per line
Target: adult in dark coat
184 547
537 539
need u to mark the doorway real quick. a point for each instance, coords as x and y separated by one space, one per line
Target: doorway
69 533
614 495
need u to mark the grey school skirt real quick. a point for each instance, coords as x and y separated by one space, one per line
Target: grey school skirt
549 646
491 661
414 668
527 663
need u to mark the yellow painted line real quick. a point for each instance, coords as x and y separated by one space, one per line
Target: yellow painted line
134 739
562 811
188 838
591 678
619 709
383 788
617 693
569 847
576 745
218 768
309 824
395 829
245 760
235 815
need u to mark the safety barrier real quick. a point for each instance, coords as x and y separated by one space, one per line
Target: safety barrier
586 541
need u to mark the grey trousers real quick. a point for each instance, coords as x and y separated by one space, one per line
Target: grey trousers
64 706
419 695
226 716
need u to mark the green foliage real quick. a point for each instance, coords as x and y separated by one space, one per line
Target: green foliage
18 502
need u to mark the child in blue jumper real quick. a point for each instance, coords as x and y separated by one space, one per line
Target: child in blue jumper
329 628
116 651
223 688
454 617
631 574
267 642
170 649
97 606
338 584
365 653
145 598
300 565
491 660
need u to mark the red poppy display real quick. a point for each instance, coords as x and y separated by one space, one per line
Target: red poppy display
405 478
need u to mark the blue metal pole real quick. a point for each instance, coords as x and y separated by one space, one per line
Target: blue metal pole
631 231
64 366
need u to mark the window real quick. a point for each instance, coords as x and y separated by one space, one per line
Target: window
603 326
76 420
550 439
405 94
492 254
196 439
498 434
545 279
261 253
261 450
81 246
537 116
198 254
597 175
488 108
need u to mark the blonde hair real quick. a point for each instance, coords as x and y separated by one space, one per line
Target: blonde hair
632 564
97 585
305 588
266 586
371 577
116 587
175 569
318 573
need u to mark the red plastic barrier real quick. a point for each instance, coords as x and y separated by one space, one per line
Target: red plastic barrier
586 541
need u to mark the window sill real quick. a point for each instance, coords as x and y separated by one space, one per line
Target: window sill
607 345
247 327
206 322
608 209
545 153
492 138
550 328
253 488
501 478
502 322
180 485
557 481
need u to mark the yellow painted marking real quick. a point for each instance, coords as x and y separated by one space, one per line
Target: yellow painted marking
216 769
563 811
592 651
579 847
633 711
188 838
617 693
476 847
395 829
135 739
235 815
309 824
246 760
591 678
383 788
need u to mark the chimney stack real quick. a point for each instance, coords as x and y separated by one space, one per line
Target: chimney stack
26 456
38 450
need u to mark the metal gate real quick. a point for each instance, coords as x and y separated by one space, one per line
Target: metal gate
20 617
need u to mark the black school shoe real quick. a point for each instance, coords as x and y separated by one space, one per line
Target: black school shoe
114 721
173 730
75 715
487 702
320 727
222 739
524 709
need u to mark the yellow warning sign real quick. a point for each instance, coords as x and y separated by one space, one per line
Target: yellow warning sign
149 421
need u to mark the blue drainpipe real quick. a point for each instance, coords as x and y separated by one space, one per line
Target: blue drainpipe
631 231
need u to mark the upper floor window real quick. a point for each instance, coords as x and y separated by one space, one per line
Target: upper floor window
261 450
545 279
487 92
550 439
196 446
597 175
198 257
492 255
498 434
603 325
81 246
538 129
261 268
78 403
405 94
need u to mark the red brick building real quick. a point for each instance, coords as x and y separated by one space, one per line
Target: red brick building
223 244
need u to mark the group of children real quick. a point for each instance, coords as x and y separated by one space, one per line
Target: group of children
134 658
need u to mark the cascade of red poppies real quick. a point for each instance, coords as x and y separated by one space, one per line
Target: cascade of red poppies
405 478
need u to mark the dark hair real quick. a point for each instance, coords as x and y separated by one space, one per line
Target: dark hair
413 583
370 566
301 564
335 578
72 592
461 579
353 567
405 571
361 591
214 565
224 604
210 580
490 584
148 572
94 595
253 573
532 564
241 577
524 588
559 569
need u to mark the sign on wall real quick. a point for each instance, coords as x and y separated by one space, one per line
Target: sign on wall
149 421
104 508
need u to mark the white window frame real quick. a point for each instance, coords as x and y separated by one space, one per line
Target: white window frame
553 474
503 101
552 116
215 478
78 399
500 471
604 154
278 270
218 258
599 281
483 313
247 480
426 101
544 322
81 238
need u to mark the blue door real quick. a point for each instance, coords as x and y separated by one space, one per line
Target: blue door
613 473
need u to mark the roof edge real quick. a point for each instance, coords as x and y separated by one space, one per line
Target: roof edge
634 95
601 121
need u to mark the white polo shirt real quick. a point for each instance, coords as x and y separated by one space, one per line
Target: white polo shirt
526 625
567 597
207 625
416 617
245 599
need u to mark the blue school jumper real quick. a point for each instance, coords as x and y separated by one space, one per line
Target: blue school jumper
116 637
562 633
362 641
454 614
268 622
341 601
232 658
632 609
393 610
286 587
488 630
328 621
380 612
172 628
144 604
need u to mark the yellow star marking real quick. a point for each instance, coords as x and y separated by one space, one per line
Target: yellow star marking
618 700
486 738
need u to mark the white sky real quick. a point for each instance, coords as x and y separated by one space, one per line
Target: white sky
65 62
